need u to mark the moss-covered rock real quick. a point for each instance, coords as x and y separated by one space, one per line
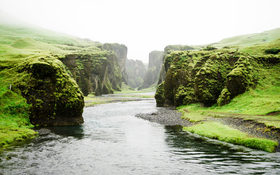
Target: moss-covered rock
224 97
167 58
54 96
96 72
120 51
241 77
159 96
201 76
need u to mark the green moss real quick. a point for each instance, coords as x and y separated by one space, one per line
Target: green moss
225 133
224 97
47 86
197 76
184 95
159 96
95 71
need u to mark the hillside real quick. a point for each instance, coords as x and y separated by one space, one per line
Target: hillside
44 76
249 39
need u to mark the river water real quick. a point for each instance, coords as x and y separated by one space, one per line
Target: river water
113 141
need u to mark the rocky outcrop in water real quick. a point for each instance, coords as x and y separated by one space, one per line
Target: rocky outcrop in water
54 96
95 72
136 71
207 77
155 63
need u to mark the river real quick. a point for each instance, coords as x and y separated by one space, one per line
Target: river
113 141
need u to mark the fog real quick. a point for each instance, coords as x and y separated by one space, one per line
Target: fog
146 25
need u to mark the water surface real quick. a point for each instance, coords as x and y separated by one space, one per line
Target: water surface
113 141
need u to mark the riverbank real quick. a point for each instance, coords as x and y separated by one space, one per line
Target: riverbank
224 127
120 96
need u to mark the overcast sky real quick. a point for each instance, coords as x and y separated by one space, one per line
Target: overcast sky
146 25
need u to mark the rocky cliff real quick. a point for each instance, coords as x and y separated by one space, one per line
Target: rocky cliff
166 60
207 77
136 71
96 71
54 96
152 74
120 51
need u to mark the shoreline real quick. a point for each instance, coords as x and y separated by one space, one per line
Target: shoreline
260 136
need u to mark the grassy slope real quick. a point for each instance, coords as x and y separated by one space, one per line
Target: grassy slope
17 44
254 104
250 39
14 121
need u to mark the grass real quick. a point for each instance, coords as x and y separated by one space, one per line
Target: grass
250 39
128 90
225 133
15 126
92 100
254 104
17 45
138 95
193 116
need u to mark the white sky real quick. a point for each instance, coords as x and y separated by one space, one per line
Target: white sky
146 25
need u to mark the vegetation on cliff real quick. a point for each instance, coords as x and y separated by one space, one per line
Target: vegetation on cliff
152 74
220 84
95 72
135 72
37 88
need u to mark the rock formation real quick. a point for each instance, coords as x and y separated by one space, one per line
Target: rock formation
166 60
136 71
54 96
96 72
155 63
120 51
207 77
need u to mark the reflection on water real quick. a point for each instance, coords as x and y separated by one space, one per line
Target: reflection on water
74 131
221 157
113 141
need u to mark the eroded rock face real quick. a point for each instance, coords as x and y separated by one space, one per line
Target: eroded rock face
55 98
120 51
207 77
96 72
136 71
167 59
152 74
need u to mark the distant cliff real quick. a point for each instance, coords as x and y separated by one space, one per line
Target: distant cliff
120 51
136 71
152 74
95 72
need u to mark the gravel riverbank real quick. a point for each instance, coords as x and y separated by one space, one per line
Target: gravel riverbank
165 116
